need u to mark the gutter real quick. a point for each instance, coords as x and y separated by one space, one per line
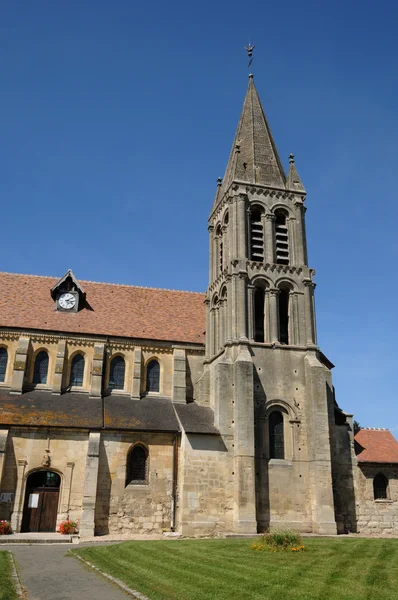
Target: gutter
174 483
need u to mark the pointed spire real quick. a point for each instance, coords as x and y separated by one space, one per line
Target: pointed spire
294 182
254 157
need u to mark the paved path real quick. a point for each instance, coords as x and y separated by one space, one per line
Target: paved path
47 573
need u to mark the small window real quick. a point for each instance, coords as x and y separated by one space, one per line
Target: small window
380 487
153 376
3 363
137 465
276 437
77 370
116 373
41 368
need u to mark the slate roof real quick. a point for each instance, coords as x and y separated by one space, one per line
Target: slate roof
111 309
254 157
42 408
376 446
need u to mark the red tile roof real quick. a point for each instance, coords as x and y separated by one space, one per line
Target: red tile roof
376 446
115 310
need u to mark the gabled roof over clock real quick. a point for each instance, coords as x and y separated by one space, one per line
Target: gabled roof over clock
67 283
26 303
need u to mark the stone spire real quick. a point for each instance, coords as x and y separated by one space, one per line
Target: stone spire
254 157
294 182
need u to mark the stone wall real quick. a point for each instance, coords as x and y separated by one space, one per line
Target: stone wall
376 516
144 507
26 452
206 479
343 467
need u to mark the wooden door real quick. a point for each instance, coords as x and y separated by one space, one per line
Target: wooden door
40 512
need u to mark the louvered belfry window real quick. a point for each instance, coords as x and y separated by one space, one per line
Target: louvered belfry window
3 363
256 235
380 485
281 239
276 438
153 376
41 368
137 471
77 370
116 374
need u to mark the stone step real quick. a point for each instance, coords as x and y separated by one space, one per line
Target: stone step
38 538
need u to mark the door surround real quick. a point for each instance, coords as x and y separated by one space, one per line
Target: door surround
42 496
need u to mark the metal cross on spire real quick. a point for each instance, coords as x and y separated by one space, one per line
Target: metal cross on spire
249 49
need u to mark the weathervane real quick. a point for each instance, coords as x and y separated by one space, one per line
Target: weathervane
249 49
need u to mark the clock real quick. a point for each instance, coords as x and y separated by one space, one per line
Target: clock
67 301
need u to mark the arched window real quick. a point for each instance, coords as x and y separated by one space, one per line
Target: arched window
137 465
116 373
77 370
256 235
153 376
3 363
41 368
281 238
276 438
380 487
259 298
283 305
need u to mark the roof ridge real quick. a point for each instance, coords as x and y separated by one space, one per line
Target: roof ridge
374 429
142 287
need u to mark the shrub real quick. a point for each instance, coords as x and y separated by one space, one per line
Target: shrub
67 527
283 539
5 528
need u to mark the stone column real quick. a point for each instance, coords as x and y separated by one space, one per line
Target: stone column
225 246
242 250
211 253
309 287
97 370
273 295
66 490
292 241
16 517
208 326
179 375
216 329
267 317
243 425
250 311
87 522
242 306
222 322
137 373
20 365
294 318
301 237
269 242
59 367
3 449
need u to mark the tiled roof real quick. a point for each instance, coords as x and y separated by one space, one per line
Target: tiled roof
115 310
376 446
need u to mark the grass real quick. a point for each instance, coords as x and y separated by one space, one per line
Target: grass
7 591
329 569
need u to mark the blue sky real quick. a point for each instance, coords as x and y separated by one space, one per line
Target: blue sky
117 118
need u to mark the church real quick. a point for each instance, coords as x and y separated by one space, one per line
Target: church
138 410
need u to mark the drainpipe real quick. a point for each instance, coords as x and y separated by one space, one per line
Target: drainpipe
174 483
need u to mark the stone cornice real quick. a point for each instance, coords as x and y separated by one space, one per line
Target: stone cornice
274 267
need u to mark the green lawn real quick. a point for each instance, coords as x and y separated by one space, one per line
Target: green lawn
7 591
330 569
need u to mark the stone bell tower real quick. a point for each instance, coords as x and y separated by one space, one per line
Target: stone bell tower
268 382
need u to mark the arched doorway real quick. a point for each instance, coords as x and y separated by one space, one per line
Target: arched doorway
41 501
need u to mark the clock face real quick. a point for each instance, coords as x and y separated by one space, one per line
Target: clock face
67 301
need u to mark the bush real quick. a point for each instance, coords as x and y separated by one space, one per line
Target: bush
283 539
5 528
67 527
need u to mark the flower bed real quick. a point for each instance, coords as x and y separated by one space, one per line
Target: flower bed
67 527
279 540
5 528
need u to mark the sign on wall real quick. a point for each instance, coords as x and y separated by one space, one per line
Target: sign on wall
4 497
